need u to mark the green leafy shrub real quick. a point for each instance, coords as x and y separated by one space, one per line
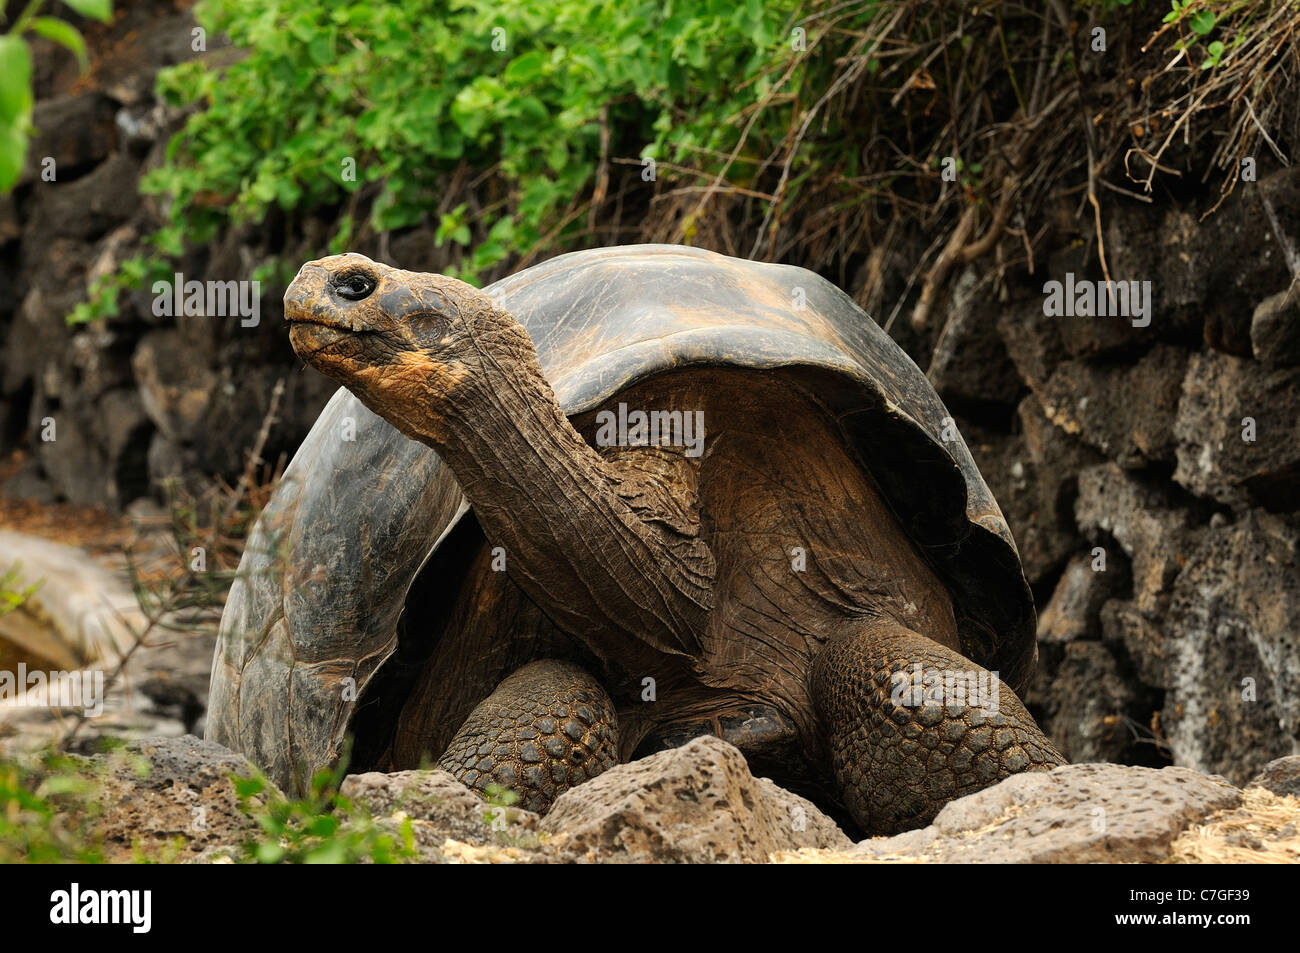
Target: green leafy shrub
809 128
16 75
47 810
336 103
50 804
323 827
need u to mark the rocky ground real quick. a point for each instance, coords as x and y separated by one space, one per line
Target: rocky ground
699 804
1150 474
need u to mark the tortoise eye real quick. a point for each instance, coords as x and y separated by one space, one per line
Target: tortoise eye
353 286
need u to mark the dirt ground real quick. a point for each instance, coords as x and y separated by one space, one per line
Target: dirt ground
96 529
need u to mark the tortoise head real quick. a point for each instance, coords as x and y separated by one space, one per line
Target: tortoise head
397 339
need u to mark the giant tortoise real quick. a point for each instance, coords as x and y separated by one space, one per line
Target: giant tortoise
615 501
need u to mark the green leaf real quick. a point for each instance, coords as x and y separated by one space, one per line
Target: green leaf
321 49
268 853
329 853
1202 22
450 226
15 81
61 784
64 34
248 787
13 153
101 10
323 826
524 69
1216 54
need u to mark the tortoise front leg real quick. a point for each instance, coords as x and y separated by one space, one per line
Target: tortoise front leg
898 759
546 728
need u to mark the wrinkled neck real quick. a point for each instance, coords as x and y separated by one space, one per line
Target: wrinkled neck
501 429
575 545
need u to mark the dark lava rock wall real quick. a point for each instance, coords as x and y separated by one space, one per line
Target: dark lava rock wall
1152 478
136 398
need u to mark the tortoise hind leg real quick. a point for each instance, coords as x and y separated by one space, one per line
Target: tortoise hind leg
896 759
546 728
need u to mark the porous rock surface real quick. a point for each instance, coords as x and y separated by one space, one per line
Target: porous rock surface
1282 776
170 799
173 799
1081 813
439 806
693 804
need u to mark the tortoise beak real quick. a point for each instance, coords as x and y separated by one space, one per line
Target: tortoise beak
306 299
310 338
315 322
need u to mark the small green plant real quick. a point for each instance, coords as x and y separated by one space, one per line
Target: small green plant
12 592
1199 19
1201 22
323 827
969 175
139 271
1215 54
16 75
47 811
499 799
502 818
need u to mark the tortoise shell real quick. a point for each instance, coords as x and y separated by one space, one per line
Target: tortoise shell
325 577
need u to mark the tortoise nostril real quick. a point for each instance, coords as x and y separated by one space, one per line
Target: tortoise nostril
353 285
296 298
